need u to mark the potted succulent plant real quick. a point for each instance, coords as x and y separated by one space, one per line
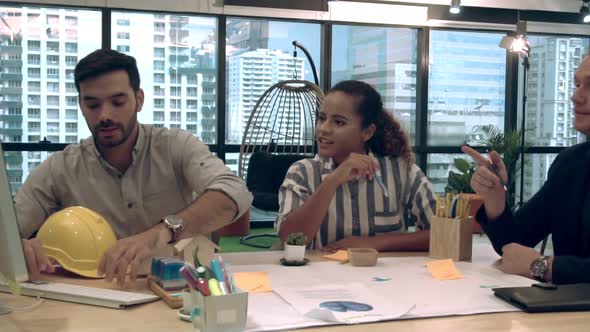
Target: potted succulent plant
295 247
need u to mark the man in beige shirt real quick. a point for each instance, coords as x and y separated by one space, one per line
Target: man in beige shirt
132 174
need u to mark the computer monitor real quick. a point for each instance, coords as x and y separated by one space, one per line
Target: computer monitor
12 260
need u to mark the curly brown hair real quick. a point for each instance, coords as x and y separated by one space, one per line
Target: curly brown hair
389 138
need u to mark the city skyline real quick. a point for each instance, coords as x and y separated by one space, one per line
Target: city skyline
177 58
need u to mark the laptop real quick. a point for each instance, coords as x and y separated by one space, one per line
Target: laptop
13 265
542 298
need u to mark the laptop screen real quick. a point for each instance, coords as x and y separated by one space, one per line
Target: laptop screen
12 259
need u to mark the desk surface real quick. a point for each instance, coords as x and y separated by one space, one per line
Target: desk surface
62 316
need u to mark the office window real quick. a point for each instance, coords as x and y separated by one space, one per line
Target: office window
175 91
34 72
34 45
44 52
123 48
159 78
122 35
158 52
53 60
34 126
14 111
34 59
52 72
71 114
71 47
53 127
549 110
191 104
71 61
466 85
71 101
536 167
383 57
53 114
33 138
53 46
158 91
158 116
71 88
72 21
191 92
34 113
53 100
159 65
259 53
71 127
53 87
71 34
34 86
182 46
159 26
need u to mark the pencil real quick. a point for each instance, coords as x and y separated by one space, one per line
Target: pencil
495 168
381 185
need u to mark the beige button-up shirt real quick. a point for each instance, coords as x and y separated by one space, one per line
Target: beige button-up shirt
169 166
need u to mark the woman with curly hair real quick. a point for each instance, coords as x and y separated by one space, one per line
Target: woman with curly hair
336 200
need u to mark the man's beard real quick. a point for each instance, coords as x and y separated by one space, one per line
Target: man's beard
110 142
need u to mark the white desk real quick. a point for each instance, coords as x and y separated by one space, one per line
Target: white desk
62 316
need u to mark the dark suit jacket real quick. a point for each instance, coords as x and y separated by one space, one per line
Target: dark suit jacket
561 208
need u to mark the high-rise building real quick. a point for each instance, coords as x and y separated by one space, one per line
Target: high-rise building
179 77
252 73
549 115
39 48
386 59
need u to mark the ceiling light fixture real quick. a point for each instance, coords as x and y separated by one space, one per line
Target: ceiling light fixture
585 11
455 7
519 43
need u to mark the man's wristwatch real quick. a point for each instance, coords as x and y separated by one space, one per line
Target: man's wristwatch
175 224
539 267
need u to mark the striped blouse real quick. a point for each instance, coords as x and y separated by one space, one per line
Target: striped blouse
360 207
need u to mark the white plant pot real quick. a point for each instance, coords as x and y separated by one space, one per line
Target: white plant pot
294 253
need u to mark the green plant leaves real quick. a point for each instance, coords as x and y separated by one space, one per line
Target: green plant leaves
462 165
296 239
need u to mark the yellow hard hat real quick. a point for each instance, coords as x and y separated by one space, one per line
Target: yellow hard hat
77 238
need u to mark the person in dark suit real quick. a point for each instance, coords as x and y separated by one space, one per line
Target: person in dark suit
560 208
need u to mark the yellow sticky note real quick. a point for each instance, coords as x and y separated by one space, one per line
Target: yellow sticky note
444 269
340 255
252 282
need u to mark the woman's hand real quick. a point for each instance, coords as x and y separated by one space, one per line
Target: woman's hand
355 167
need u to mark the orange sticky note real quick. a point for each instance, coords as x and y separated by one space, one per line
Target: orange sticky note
444 269
340 255
252 282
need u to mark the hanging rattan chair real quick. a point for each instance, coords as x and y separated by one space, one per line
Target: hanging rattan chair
282 122
281 127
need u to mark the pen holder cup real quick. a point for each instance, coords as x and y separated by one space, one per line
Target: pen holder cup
451 238
224 313
362 256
